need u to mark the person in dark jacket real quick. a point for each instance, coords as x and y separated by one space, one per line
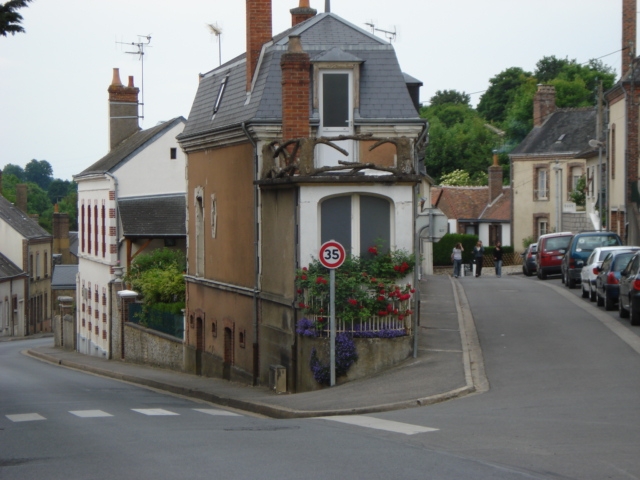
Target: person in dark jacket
497 258
478 255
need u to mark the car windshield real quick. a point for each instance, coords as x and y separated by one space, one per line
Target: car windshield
602 255
557 243
621 261
587 244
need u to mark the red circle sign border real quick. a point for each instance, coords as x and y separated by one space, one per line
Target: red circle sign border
343 254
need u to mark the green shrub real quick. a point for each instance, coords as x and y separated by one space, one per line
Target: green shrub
442 249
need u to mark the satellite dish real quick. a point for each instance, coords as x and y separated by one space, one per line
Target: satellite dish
595 143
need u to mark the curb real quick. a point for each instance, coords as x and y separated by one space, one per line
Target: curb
472 358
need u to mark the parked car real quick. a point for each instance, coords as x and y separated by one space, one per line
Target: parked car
581 246
629 296
589 272
608 279
529 259
551 249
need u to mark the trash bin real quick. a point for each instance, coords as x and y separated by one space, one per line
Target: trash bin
466 270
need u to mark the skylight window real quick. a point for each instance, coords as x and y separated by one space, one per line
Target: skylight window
223 85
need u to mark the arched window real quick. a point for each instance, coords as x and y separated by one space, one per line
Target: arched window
357 221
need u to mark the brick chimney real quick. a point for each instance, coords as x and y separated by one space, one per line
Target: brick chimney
296 79
21 197
544 104
61 235
495 179
123 110
302 13
629 15
258 33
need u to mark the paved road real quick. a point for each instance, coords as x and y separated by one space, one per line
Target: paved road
562 403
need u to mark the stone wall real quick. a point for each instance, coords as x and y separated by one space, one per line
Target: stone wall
374 355
150 347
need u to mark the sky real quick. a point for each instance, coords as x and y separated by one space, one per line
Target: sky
54 77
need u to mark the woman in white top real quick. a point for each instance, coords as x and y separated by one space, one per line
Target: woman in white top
456 256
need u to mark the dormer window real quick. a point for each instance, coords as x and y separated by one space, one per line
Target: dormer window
336 95
223 85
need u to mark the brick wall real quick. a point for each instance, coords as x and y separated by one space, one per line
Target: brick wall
295 64
258 33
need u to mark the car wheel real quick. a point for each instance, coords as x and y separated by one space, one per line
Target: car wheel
599 300
592 295
563 278
609 304
585 293
571 282
622 312
633 315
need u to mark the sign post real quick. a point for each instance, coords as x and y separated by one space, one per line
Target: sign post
332 255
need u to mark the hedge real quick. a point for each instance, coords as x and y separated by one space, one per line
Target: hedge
442 249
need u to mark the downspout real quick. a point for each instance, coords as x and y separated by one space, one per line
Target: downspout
256 350
416 247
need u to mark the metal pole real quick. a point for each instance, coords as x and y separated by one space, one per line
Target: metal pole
558 196
600 185
332 325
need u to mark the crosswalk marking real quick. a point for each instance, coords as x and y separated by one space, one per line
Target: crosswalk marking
25 417
155 412
90 413
379 424
214 411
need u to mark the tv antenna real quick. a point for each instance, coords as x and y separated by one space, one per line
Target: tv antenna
214 29
143 41
390 35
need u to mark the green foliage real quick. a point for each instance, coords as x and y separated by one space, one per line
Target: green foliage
162 258
365 286
488 249
17 170
461 178
458 140
502 90
454 97
579 194
526 241
158 277
9 17
442 249
39 172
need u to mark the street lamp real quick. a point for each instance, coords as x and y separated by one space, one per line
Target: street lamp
593 144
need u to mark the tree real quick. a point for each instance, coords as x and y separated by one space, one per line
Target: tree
458 140
449 96
9 17
39 172
58 189
495 102
16 170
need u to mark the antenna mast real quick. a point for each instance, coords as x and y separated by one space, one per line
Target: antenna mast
217 31
143 41
391 36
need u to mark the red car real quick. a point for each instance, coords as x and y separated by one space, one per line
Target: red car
551 250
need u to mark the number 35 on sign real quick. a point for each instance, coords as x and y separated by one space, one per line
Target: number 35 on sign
332 254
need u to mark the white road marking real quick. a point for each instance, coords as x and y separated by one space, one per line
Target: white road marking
25 417
154 411
379 424
213 411
90 413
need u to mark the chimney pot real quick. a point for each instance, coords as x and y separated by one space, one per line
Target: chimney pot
115 81
130 81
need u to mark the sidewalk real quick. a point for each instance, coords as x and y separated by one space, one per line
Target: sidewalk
446 367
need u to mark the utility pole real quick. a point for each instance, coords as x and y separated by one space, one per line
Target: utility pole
558 169
600 172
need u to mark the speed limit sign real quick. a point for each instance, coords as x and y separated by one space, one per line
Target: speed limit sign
332 254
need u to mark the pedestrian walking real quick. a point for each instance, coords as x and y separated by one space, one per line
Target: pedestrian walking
478 255
456 256
497 258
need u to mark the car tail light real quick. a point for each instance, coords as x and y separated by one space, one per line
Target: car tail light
636 284
572 263
612 279
595 271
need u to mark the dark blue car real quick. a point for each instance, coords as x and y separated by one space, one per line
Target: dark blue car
608 279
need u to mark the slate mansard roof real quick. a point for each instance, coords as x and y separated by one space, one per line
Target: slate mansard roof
565 132
129 147
153 216
20 221
384 97
64 277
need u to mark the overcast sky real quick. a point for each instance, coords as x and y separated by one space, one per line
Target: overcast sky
54 78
